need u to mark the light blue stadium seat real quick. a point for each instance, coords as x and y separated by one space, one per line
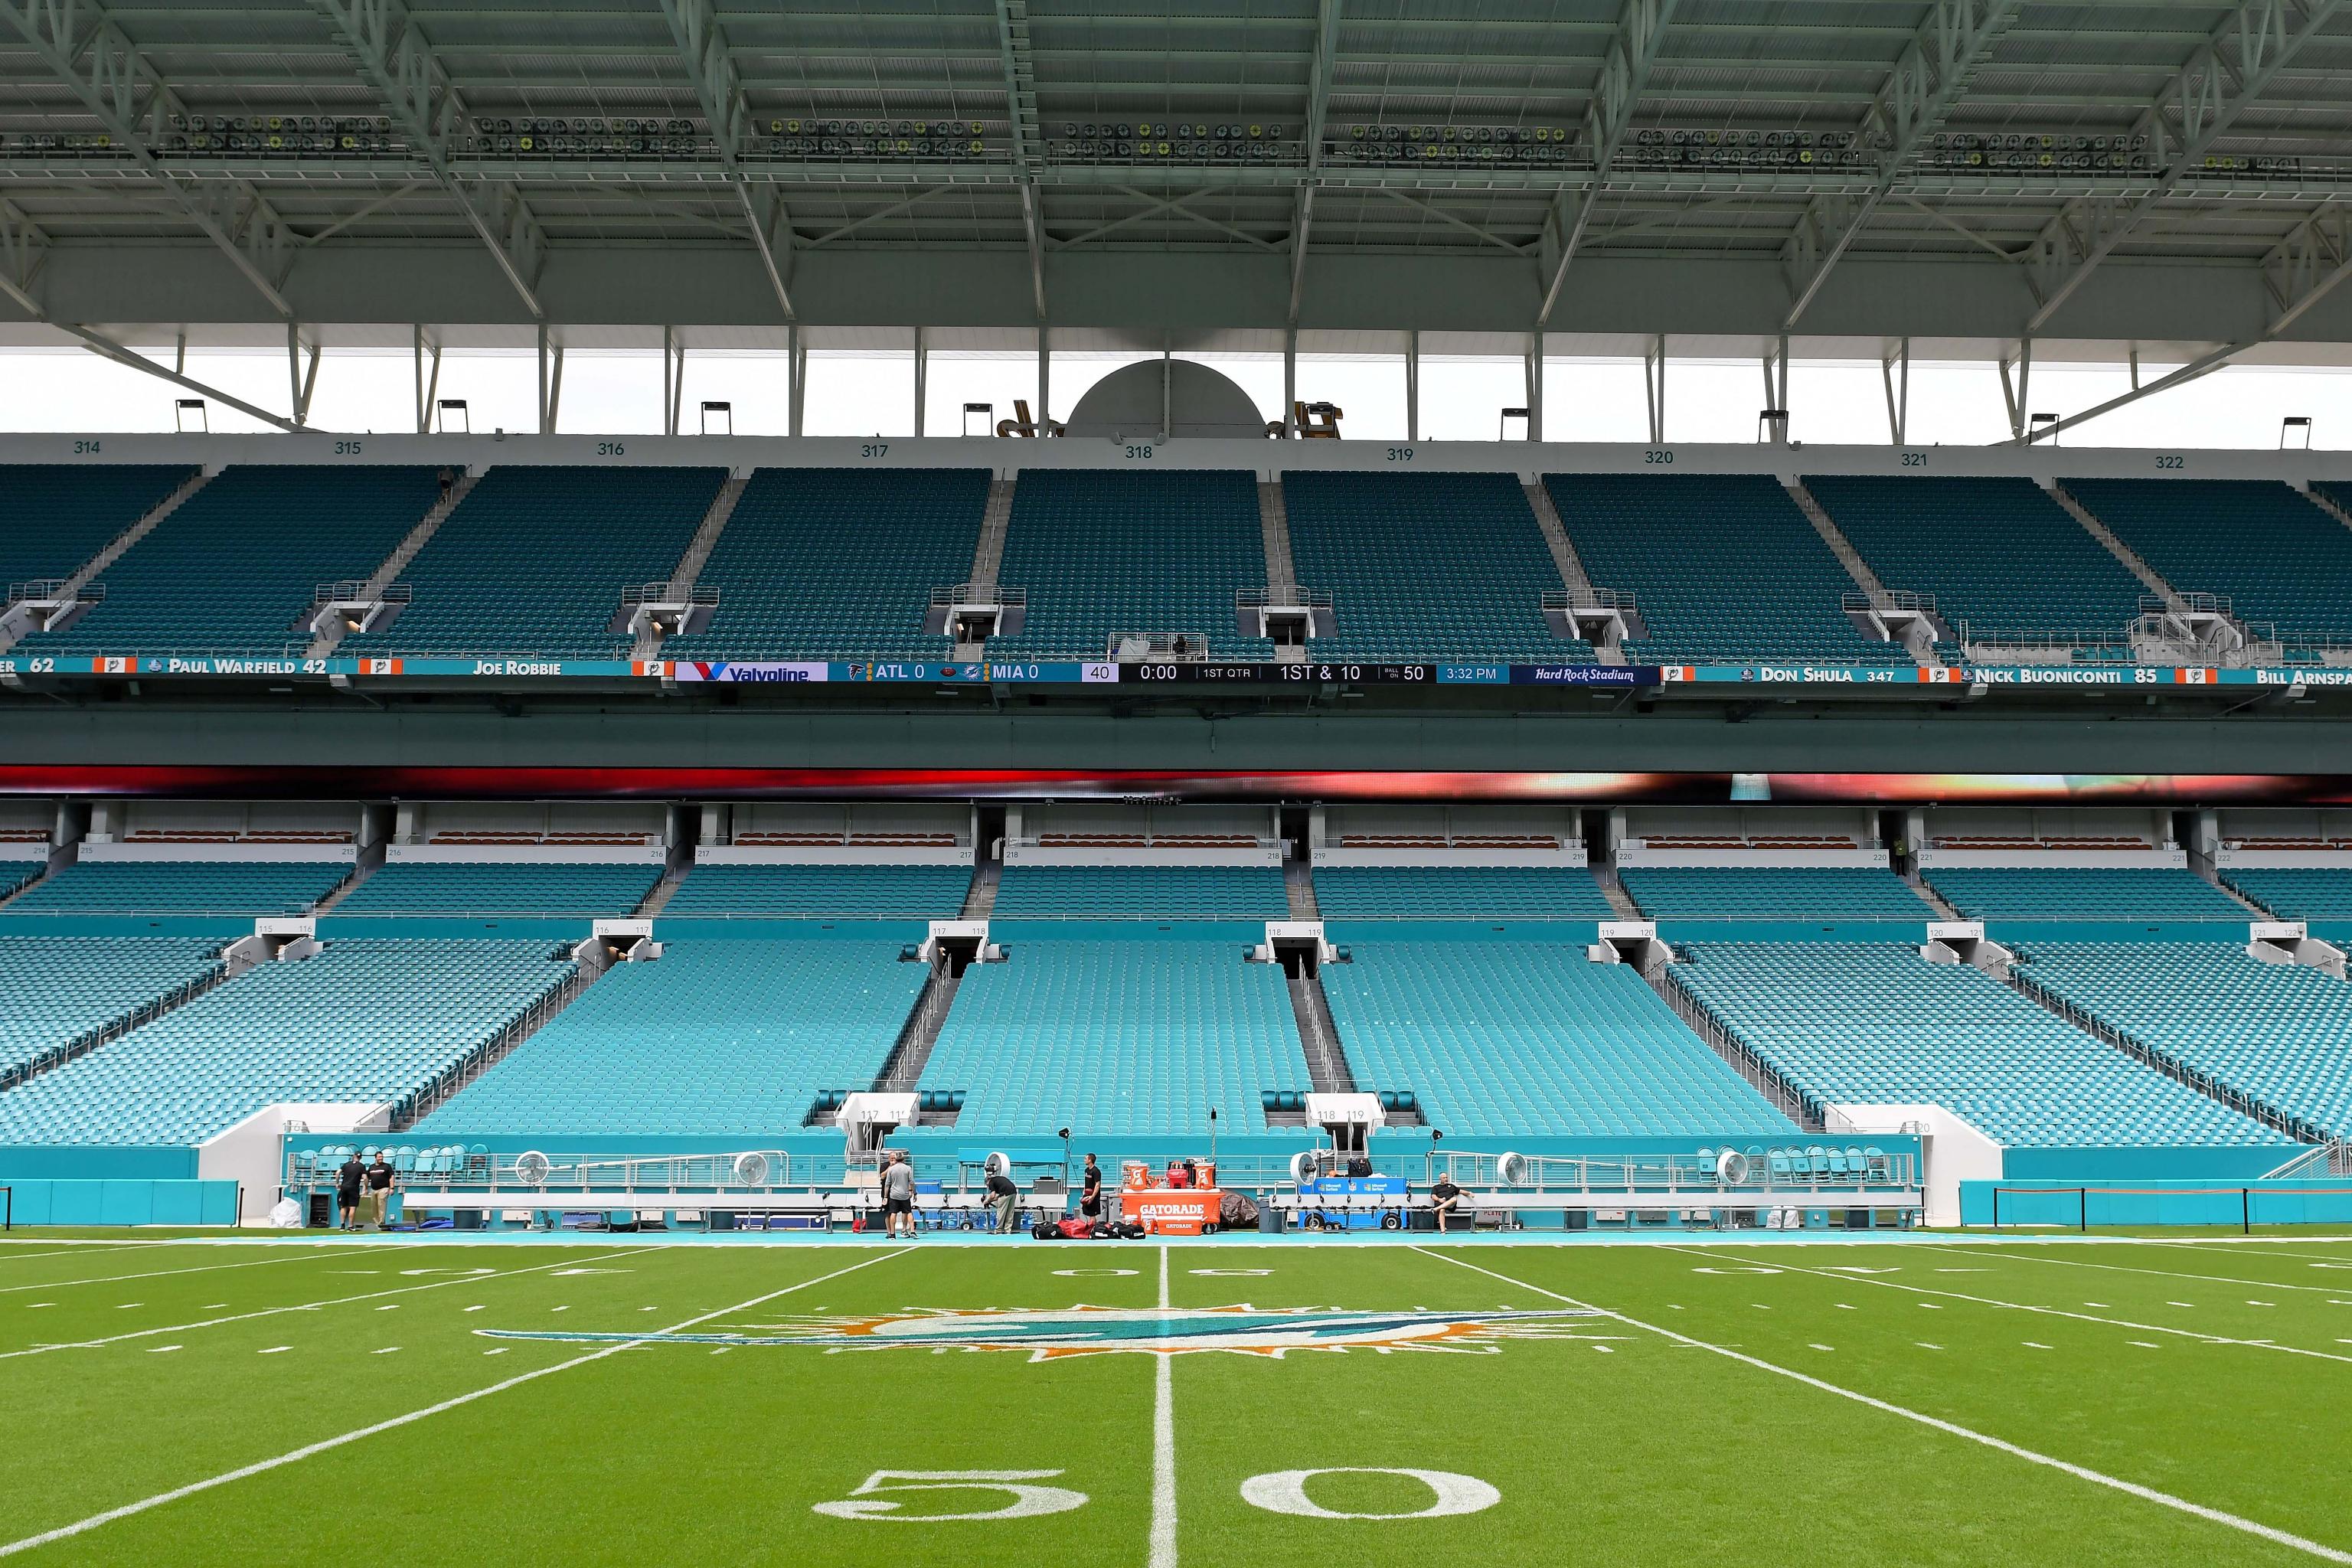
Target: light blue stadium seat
1460 892
2084 893
1501 1039
1875 1024
715 1039
362 1022
54 992
1726 570
1116 1038
1427 567
1772 892
235 569
838 563
534 559
1144 892
2296 893
533 887
1105 552
237 887
935 892
2280 1034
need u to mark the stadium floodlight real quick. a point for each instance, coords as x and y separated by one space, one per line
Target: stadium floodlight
183 406
725 410
2039 425
448 406
1772 426
1503 426
2294 424
987 412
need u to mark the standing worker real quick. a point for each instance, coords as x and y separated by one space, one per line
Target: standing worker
898 1196
349 1179
1091 1193
380 1178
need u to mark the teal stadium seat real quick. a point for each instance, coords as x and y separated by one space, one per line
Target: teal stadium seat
1116 1038
838 563
531 888
1875 1024
55 991
2296 893
932 892
362 1021
1725 568
1430 568
235 567
54 516
715 1039
2089 893
1144 892
1509 1038
239 888
2280 1034
1772 892
1999 554
1104 552
1460 893
2278 557
533 561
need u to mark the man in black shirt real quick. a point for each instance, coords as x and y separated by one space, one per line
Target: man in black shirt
378 1194
348 1180
1445 1198
1007 1196
1090 1194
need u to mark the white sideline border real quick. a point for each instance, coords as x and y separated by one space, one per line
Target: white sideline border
2079 1472
325 1445
157 1273
1163 1446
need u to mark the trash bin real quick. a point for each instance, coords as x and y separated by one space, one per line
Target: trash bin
466 1219
321 1211
1269 1218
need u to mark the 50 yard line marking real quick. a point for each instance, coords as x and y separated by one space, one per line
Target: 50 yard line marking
325 1445
1163 1443
2079 1472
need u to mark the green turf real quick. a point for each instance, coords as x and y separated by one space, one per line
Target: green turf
2201 1369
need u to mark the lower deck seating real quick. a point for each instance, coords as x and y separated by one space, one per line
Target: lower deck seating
237 887
2280 1034
1459 892
1499 1039
715 1039
1875 1024
1117 1037
2089 893
531 888
1772 892
1144 892
57 990
933 891
362 1022
2298 893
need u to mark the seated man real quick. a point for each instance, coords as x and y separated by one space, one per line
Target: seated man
1444 1199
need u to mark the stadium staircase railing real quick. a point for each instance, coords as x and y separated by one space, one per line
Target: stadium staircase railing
1764 1077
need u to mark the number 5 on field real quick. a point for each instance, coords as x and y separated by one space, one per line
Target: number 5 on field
1026 1501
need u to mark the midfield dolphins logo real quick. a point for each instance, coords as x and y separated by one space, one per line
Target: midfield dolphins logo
1240 1330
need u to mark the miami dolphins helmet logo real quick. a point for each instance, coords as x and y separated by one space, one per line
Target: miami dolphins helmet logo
1101 1330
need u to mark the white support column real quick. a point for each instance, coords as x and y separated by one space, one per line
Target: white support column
795 379
545 424
555 389
1290 383
1044 381
922 374
1412 385
670 402
1535 386
1167 393
1895 372
1654 383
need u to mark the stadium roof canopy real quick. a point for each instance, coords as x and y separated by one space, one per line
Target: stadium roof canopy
1972 174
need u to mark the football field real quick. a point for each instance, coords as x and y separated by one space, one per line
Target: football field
1231 1403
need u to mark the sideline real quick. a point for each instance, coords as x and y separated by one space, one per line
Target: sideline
79 1527
1163 1445
2080 1472
2200 1278
158 1273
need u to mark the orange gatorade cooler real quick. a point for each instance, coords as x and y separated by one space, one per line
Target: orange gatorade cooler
1134 1173
1208 1172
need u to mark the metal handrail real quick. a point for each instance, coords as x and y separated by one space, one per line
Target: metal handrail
1594 599
1696 1175
1887 599
1282 597
996 594
52 587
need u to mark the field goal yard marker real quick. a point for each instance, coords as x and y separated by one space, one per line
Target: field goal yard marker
325 1445
2080 1472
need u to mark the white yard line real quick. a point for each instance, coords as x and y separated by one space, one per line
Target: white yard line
2277 1252
2194 1279
81 1250
2041 1311
298 1307
160 1273
1163 1446
2096 1477
79 1527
